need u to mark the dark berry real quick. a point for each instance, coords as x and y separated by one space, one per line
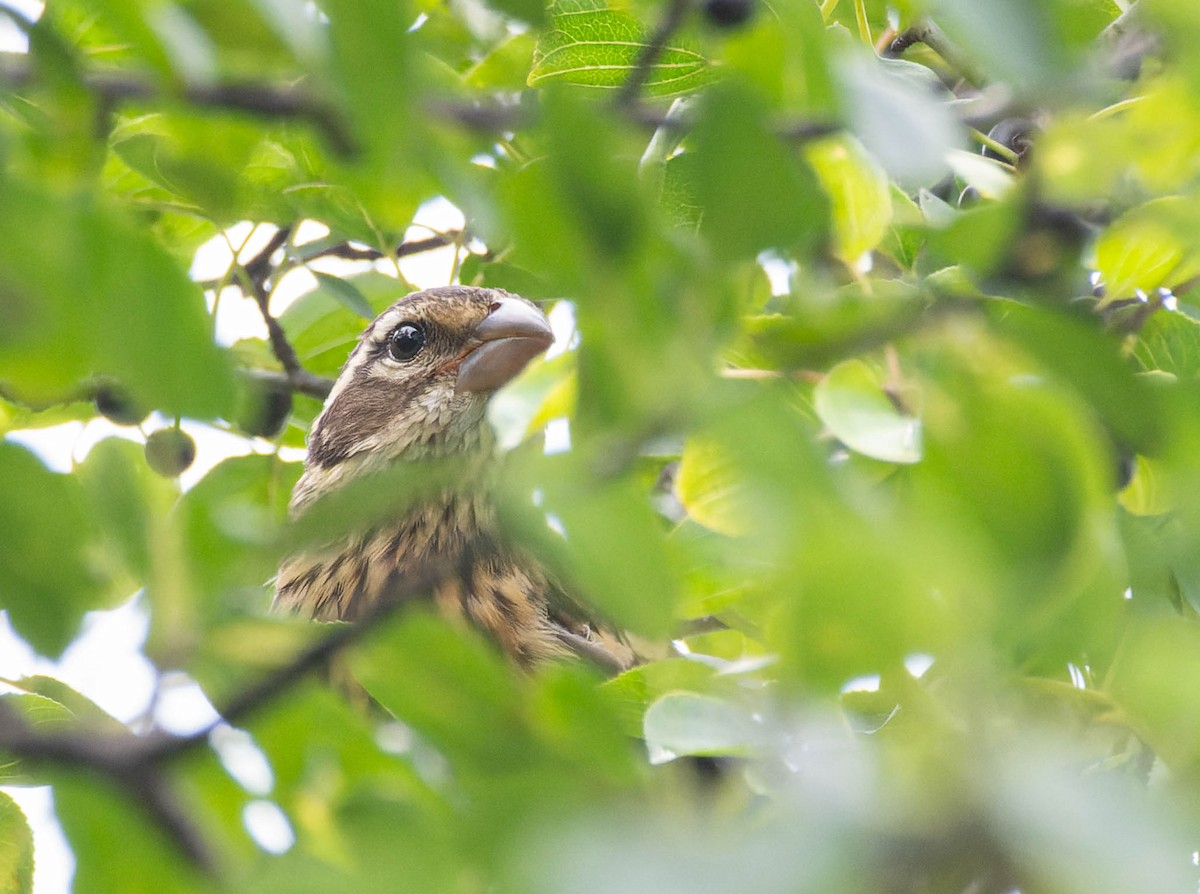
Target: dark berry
728 13
170 451
1014 133
115 404
263 408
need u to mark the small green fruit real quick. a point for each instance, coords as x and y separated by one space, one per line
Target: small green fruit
170 451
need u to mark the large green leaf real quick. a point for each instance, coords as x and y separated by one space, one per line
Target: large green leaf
590 44
88 293
46 580
852 402
742 165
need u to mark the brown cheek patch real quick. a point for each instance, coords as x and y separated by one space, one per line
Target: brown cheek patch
364 409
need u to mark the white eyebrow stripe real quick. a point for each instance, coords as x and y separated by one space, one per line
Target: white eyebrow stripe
384 323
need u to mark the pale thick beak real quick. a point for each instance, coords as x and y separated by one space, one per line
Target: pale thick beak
512 334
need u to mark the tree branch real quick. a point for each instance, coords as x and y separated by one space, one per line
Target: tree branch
926 31
136 763
405 249
256 272
284 101
123 760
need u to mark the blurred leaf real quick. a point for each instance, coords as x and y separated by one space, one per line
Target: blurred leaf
859 196
124 496
1147 492
16 849
1145 249
41 713
88 293
46 582
506 66
230 525
853 404
606 519
742 165
899 110
1170 342
115 844
82 708
707 487
682 723
987 176
323 328
450 686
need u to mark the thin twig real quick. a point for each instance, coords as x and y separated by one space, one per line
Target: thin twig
926 31
405 249
121 758
677 11
136 763
306 383
311 658
255 274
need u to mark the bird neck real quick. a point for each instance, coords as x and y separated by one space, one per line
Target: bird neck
470 447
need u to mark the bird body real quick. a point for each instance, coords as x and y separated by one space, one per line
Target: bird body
416 389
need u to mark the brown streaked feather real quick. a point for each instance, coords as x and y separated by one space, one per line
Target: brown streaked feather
379 414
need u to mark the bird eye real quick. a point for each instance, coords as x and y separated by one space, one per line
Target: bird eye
406 342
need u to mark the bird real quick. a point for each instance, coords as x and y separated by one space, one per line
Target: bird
415 389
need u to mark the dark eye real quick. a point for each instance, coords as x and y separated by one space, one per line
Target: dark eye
406 342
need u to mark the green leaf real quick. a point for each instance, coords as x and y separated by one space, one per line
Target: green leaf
46 581
1170 342
43 714
742 164
707 485
86 292
451 687
507 66
607 518
588 44
124 497
16 849
900 110
1153 245
323 328
116 846
1159 651
859 194
850 400
682 723
347 294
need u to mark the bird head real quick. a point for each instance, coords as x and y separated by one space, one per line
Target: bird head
416 386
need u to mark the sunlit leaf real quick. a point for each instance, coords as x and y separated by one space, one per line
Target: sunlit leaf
853 404
590 44
16 849
859 196
685 723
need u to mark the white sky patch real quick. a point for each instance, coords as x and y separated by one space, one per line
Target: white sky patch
269 826
558 436
182 707
562 322
12 38
242 758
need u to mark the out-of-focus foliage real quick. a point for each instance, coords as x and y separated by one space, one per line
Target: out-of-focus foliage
891 426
